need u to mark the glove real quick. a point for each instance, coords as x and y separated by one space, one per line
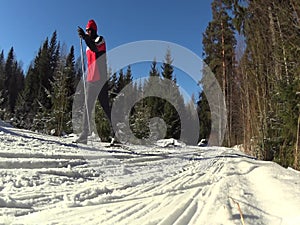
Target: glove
81 32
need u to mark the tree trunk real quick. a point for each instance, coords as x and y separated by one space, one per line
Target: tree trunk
297 145
224 84
283 52
273 38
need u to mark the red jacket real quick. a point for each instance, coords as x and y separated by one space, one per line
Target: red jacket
95 49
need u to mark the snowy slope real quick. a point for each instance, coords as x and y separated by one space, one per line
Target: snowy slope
47 180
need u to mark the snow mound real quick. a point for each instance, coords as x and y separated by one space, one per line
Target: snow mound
171 142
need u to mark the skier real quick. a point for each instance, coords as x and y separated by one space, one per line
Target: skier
96 79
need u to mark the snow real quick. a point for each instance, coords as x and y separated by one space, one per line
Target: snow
49 180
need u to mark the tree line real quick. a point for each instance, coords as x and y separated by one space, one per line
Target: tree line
253 48
33 100
41 100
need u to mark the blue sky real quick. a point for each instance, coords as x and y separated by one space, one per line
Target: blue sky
25 24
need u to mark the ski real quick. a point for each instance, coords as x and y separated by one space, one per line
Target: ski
105 145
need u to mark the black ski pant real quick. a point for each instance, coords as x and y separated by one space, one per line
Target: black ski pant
96 90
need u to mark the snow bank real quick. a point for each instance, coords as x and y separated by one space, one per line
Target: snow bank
171 142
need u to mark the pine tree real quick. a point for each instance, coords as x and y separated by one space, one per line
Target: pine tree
128 85
171 91
35 101
113 89
2 63
193 121
102 124
154 72
47 66
204 116
12 81
26 104
2 89
139 121
70 72
153 86
62 90
219 44
167 68
57 115
54 54
128 76
16 85
9 81
121 81
286 122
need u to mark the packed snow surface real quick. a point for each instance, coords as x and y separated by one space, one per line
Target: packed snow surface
49 180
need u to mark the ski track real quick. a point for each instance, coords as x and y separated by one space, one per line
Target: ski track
165 186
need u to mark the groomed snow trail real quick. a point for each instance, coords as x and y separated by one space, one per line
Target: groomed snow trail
46 180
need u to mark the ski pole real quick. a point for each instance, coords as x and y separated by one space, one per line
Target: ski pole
84 86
